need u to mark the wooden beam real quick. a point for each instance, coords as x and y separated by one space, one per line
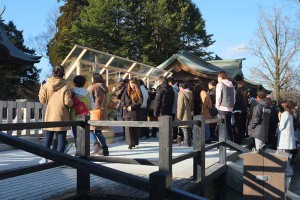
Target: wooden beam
185 156
124 123
37 125
210 121
214 145
185 123
214 171
27 170
237 147
133 161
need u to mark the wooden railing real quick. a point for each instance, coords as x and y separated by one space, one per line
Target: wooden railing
159 184
22 112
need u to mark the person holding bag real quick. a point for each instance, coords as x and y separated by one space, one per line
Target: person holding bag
99 92
131 102
57 95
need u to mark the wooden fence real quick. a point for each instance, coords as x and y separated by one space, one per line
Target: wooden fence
22 112
159 184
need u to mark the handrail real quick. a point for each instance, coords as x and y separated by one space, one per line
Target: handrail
210 121
237 147
214 145
185 156
36 125
185 123
124 123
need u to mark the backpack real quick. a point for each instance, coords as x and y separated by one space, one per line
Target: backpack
79 106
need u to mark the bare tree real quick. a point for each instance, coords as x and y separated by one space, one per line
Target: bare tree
277 45
40 41
2 11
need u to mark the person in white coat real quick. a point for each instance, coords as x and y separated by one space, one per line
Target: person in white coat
286 136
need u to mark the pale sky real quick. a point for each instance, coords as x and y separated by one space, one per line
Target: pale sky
232 22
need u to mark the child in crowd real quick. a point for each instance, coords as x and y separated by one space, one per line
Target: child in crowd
83 95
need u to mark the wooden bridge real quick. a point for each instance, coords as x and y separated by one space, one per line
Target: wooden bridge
158 185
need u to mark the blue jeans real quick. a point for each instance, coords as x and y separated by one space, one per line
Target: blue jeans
97 136
61 139
207 132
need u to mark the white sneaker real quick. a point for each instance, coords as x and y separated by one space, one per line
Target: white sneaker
43 161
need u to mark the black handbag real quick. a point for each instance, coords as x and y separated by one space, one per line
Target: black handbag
213 111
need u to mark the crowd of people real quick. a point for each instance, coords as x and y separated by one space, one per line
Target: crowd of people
60 100
247 113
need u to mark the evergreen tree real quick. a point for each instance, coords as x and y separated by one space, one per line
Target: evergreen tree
17 80
149 31
60 46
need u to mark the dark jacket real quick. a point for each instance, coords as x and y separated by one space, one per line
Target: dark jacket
164 100
239 101
125 103
261 120
252 103
212 95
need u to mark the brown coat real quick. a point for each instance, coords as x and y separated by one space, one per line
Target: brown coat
99 92
57 95
185 105
206 104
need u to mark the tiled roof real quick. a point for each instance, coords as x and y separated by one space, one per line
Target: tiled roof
232 67
12 54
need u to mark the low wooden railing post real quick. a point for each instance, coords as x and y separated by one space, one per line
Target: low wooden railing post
199 145
162 180
83 150
222 138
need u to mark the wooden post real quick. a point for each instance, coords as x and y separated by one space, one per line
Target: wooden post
27 115
222 138
199 145
83 149
1 110
10 106
165 144
157 185
37 107
161 180
19 112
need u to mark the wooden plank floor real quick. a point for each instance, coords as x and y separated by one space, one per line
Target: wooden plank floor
50 184
57 182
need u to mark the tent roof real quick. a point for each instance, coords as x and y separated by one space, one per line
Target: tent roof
9 53
232 67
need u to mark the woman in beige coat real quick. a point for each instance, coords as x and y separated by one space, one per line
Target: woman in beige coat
185 108
57 95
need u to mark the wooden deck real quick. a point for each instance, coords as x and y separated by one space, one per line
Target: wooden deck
161 161
59 182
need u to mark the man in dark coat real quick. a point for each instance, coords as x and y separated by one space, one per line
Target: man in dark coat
164 98
238 126
261 120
